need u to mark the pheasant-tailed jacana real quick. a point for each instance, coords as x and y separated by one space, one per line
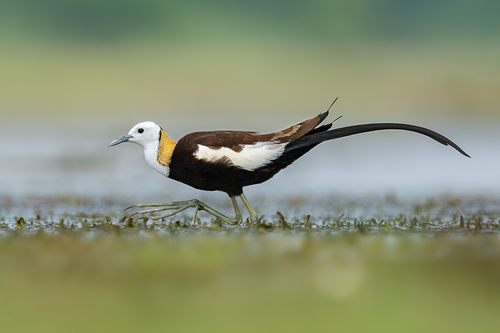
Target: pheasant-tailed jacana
227 161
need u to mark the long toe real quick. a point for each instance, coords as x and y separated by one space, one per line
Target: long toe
167 204
149 211
179 206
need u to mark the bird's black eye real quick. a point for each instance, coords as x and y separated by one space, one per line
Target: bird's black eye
140 130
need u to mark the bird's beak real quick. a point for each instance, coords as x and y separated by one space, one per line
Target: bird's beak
124 138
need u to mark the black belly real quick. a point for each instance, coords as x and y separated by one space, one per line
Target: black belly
219 176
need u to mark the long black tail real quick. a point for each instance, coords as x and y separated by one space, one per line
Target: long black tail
316 138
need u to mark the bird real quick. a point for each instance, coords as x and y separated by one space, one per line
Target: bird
228 161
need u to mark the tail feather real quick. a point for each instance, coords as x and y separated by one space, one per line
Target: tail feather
319 129
313 137
322 116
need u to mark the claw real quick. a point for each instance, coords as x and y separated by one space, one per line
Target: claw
156 210
154 218
168 204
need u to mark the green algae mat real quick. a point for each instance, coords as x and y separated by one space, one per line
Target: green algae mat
370 265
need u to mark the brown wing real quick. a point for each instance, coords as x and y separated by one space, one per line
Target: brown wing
236 139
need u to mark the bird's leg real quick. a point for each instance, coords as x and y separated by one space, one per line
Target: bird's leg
254 216
232 221
179 206
193 222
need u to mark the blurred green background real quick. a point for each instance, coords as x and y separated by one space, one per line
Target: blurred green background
76 74
108 56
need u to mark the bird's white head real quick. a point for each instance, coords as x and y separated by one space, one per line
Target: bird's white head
144 134
158 147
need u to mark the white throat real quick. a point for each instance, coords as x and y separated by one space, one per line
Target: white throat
151 156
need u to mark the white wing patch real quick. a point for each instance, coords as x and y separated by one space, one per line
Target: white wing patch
251 157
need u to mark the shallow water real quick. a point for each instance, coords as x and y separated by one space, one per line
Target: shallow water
327 216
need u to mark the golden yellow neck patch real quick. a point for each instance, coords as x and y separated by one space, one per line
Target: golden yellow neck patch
166 149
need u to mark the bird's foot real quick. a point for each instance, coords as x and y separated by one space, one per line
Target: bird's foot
175 208
254 215
179 206
254 218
